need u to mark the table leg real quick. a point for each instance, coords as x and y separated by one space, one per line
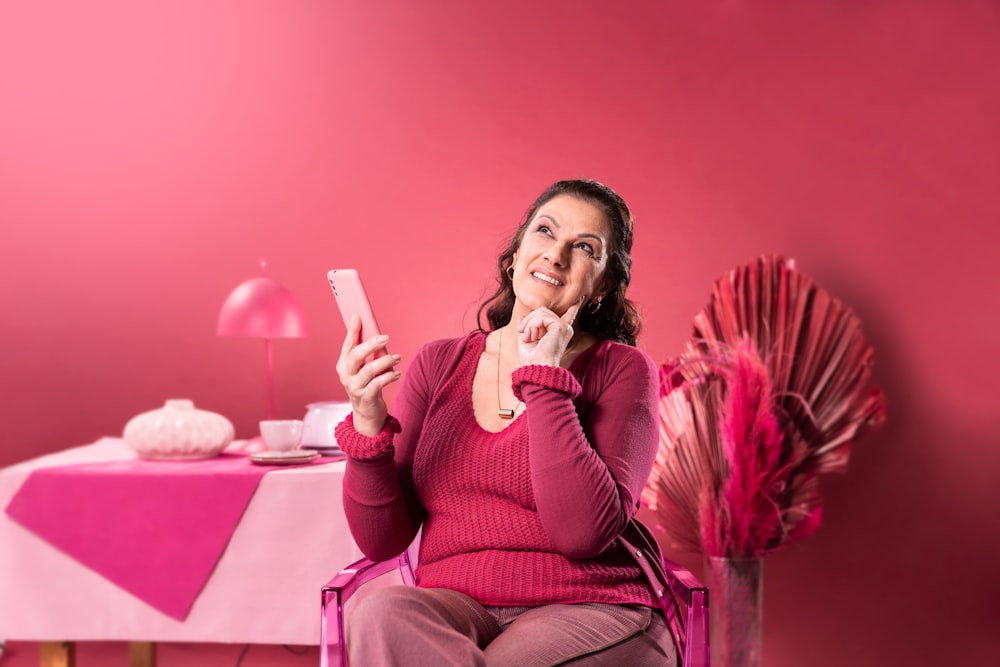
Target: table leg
142 654
57 654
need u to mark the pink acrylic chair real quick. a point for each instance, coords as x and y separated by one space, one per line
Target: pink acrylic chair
686 610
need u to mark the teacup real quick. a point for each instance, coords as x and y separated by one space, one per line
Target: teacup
281 435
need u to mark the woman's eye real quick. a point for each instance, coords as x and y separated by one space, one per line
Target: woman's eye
586 247
544 229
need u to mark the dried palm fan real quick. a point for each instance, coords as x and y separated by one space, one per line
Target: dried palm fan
774 385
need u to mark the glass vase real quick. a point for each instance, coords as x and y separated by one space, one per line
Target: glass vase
736 607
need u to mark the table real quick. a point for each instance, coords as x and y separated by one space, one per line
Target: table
265 588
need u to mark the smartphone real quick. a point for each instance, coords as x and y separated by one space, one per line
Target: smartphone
353 300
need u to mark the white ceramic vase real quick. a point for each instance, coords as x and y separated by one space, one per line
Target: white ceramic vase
178 431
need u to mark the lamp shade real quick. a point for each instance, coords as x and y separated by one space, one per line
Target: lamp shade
262 308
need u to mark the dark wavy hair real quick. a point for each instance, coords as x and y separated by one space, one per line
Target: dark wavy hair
617 319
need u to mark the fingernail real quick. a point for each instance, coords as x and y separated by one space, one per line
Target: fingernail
381 339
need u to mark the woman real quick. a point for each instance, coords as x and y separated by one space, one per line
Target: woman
521 452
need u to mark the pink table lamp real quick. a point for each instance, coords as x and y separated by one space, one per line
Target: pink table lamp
263 308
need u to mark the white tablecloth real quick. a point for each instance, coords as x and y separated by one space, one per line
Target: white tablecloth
291 540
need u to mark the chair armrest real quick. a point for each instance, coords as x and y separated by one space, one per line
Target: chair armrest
339 590
682 581
357 574
694 598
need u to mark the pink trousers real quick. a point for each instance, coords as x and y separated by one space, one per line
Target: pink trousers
436 627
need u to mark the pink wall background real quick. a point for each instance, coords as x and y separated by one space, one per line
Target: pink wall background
150 154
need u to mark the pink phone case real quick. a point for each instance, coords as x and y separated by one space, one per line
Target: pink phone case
352 300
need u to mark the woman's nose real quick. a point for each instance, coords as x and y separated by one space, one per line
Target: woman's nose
556 254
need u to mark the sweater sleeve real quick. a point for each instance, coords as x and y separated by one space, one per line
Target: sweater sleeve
587 475
381 505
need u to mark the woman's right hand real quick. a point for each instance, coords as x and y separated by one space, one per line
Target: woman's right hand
364 382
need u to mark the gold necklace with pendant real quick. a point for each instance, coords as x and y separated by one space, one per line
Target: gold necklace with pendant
505 413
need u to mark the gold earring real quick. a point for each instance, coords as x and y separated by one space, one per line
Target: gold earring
594 306
510 273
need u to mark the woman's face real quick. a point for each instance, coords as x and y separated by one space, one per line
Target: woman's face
562 256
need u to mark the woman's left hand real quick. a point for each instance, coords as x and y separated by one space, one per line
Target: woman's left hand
542 336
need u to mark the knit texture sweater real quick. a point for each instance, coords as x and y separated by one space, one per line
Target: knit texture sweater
526 516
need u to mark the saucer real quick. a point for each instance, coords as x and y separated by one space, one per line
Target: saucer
325 450
283 458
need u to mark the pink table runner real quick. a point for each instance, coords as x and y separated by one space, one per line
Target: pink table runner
155 528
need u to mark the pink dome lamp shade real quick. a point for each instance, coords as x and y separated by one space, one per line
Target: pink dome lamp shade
263 308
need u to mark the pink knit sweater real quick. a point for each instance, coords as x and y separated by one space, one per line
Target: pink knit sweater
526 516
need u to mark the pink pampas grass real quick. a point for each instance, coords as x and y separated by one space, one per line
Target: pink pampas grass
745 516
774 386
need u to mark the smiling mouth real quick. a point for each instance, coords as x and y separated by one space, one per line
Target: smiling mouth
551 281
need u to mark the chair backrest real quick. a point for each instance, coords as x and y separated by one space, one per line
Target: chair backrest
686 610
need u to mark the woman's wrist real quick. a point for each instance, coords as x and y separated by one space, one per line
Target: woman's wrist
552 377
358 445
368 426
